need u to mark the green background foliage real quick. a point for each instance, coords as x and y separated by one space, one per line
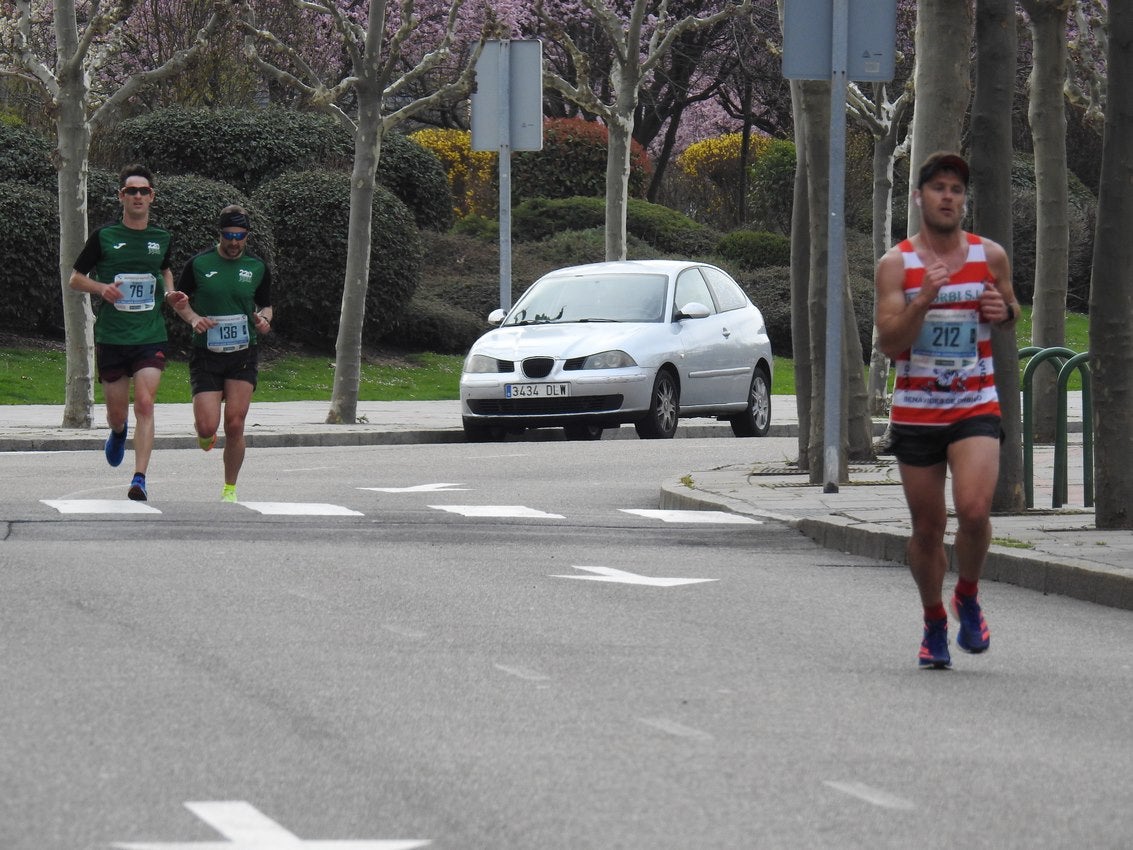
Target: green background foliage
310 212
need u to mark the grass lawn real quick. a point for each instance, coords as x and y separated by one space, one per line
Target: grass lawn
36 374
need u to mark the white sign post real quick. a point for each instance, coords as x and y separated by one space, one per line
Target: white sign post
507 115
861 46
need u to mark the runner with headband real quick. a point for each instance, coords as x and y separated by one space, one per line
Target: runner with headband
224 294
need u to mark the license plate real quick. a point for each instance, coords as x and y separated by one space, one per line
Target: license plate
536 390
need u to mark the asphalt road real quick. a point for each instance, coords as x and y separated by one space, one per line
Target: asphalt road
471 657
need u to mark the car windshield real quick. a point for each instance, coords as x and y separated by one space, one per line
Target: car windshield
592 298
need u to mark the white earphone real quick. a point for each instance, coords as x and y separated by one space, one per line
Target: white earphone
917 200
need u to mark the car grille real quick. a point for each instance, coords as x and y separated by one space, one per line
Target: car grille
544 406
538 367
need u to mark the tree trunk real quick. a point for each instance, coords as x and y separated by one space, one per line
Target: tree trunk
73 133
1047 113
348 346
1111 289
991 205
884 154
943 48
617 162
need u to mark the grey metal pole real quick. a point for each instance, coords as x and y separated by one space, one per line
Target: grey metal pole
836 233
505 173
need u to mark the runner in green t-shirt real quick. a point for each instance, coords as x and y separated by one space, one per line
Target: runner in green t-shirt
127 265
226 285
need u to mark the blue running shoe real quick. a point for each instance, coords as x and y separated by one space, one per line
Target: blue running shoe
137 490
116 445
934 647
973 635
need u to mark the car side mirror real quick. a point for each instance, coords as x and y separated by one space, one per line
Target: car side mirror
693 310
496 316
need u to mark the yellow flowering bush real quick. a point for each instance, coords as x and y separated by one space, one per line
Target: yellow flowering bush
471 174
712 166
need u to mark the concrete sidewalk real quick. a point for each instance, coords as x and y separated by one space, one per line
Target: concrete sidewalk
1050 550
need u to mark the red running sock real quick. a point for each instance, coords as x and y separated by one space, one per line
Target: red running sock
967 588
935 612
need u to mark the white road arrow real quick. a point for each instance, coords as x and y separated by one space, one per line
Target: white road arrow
419 488
622 577
247 828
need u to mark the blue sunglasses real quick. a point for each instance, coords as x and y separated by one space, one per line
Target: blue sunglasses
235 237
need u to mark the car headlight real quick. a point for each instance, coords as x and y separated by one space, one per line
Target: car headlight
480 364
608 360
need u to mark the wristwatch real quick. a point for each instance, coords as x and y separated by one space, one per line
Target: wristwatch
1010 314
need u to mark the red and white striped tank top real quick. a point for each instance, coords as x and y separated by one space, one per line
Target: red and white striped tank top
947 374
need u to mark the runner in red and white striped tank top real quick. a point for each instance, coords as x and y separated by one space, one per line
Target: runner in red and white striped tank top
947 373
939 293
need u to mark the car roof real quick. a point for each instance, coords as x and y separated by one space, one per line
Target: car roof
665 267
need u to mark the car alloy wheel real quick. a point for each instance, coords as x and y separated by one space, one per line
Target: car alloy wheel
755 421
664 409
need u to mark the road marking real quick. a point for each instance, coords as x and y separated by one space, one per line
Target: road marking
419 488
874 796
522 673
622 577
512 511
671 727
99 506
722 517
404 632
299 509
247 828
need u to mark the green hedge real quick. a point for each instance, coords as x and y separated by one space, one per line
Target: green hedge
572 162
429 324
754 249
25 157
311 213
665 229
30 293
243 147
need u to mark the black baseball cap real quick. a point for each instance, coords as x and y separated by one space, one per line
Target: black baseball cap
943 161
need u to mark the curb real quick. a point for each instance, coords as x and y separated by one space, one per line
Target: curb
1059 577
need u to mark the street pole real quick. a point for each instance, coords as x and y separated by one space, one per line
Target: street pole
835 256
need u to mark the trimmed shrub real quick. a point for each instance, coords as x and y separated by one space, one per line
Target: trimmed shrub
428 324
243 147
666 230
416 175
30 293
102 197
25 157
754 249
772 189
310 212
769 289
1081 215
573 162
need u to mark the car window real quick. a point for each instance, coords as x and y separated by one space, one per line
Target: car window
728 294
691 286
592 298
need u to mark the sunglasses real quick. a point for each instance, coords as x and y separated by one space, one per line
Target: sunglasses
137 190
236 237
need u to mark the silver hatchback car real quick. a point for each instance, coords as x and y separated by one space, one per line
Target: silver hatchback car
641 341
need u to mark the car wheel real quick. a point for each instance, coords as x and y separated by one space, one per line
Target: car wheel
582 431
755 421
476 431
664 409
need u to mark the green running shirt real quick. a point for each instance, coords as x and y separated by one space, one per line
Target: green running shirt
218 286
116 249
